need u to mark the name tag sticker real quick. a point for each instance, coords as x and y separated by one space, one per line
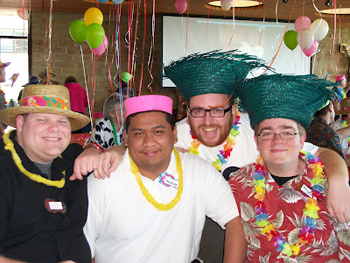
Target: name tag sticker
168 180
55 206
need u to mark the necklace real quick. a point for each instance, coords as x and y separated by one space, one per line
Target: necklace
146 193
305 236
34 177
223 155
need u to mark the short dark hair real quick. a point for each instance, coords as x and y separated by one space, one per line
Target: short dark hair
323 112
70 79
169 118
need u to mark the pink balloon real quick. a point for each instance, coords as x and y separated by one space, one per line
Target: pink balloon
302 22
311 50
181 6
101 48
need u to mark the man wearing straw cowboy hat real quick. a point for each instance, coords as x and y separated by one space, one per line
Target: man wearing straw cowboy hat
282 194
42 214
153 207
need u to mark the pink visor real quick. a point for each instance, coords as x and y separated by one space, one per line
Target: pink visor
339 78
148 103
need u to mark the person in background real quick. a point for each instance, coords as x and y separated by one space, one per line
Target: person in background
282 195
341 126
153 208
2 94
321 133
340 91
78 98
32 80
217 132
42 213
43 75
109 131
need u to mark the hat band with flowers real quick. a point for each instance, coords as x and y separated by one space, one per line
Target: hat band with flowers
50 99
46 101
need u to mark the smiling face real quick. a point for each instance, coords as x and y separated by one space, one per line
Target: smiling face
150 141
43 136
208 130
277 152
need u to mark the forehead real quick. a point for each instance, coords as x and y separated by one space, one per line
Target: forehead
278 123
46 115
210 99
148 119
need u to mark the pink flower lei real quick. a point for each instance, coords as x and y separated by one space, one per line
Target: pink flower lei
310 211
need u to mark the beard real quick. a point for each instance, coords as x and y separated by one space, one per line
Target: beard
216 136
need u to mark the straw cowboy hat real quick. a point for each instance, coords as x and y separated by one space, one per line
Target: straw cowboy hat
344 107
53 99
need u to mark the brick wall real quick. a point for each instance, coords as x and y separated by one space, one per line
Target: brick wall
66 58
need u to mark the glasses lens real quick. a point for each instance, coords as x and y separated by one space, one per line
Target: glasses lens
217 113
197 112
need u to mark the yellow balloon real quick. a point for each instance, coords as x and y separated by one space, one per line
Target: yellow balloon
93 15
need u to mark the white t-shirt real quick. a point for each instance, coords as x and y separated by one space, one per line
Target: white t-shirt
243 153
122 226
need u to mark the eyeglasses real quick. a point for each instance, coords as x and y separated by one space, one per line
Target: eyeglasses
283 135
214 113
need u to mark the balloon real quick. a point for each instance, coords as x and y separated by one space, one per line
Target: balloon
311 50
77 31
94 35
305 38
101 48
116 2
290 39
226 4
319 28
181 6
302 22
103 1
126 77
22 13
93 15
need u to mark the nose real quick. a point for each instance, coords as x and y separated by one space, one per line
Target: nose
207 119
277 137
53 126
148 139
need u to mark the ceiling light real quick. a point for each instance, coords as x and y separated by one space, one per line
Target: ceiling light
216 5
339 11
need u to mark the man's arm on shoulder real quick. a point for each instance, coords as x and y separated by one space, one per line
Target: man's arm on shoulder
338 199
235 243
8 260
102 164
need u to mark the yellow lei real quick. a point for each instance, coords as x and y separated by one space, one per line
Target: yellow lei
146 193
34 177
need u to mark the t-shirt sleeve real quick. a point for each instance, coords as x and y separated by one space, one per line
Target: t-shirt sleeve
311 148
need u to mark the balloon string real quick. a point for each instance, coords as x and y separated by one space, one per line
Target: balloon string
334 34
339 37
278 50
143 43
150 56
86 87
48 60
94 58
188 9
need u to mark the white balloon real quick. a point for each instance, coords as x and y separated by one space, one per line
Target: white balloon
226 4
319 29
305 38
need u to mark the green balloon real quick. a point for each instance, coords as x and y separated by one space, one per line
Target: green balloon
94 35
290 39
77 31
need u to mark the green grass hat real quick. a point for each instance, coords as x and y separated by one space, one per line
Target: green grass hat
282 96
211 72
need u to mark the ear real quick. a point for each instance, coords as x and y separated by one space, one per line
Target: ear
256 142
19 123
302 140
126 140
175 134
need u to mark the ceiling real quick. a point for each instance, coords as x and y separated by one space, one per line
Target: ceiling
195 7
